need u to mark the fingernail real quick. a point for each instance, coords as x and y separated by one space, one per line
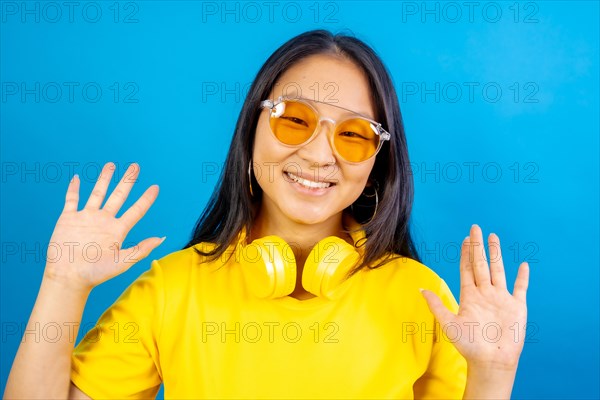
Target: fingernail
421 290
73 178
162 239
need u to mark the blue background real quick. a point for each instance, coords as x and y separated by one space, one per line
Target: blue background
522 162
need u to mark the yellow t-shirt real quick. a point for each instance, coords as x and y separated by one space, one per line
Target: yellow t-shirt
198 329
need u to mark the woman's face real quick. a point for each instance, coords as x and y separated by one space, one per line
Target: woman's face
338 82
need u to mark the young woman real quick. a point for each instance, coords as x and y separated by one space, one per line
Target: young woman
301 279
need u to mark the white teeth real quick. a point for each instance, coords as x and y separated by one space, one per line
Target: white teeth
307 183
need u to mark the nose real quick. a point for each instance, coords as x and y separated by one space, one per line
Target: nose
319 151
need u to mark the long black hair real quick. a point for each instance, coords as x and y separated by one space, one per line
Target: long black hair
231 208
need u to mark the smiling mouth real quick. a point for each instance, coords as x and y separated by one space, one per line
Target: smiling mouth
307 183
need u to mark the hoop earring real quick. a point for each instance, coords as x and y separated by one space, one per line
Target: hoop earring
375 194
250 177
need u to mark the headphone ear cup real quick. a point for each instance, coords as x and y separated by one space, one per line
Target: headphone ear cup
327 265
267 271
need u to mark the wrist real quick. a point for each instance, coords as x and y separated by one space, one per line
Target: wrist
489 381
492 367
496 376
65 286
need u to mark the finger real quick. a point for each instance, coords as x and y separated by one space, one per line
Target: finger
496 263
466 266
99 191
437 307
480 266
140 207
119 195
130 256
72 197
522 282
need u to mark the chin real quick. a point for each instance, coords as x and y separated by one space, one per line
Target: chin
307 221
307 216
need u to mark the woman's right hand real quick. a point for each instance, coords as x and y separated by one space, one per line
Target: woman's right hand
85 247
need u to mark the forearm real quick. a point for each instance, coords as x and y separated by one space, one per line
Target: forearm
489 382
42 366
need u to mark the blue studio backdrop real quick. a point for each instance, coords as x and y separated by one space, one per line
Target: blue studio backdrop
500 104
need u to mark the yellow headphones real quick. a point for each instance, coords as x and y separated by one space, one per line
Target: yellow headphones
269 266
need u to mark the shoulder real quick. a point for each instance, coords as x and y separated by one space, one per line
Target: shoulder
400 280
405 271
186 264
179 259
191 256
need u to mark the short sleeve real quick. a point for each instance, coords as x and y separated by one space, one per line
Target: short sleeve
446 374
118 358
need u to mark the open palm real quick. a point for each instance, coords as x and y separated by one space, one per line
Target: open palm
490 325
85 247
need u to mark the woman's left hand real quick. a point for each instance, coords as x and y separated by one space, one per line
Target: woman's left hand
490 324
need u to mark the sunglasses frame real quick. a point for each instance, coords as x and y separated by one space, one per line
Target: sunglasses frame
378 129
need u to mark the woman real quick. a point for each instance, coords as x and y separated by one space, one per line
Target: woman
301 279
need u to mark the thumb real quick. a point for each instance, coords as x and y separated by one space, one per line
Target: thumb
437 307
131 255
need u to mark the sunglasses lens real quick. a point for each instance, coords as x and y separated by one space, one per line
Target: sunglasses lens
355 140
292 122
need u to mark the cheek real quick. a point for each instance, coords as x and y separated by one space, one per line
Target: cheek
268 158
358 174
356 178
267 148
259 137
263 142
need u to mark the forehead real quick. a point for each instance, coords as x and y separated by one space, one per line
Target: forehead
328 79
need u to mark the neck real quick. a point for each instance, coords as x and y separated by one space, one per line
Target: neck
300 236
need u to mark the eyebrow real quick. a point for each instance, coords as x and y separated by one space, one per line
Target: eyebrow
295 96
